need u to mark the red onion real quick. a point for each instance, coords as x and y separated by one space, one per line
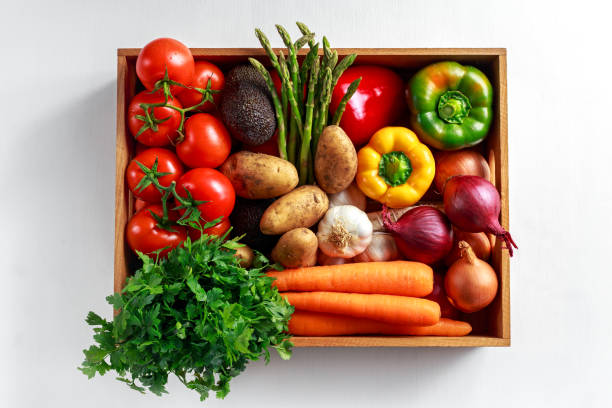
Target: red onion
422 234
472 205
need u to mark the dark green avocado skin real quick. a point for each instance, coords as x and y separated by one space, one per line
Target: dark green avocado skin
245 220
246 108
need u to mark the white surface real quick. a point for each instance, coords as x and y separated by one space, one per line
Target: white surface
57 163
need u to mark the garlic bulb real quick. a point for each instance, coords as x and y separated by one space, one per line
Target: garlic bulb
381 249
344 231
351 196
323 259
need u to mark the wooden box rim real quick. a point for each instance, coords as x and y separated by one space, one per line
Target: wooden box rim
497 56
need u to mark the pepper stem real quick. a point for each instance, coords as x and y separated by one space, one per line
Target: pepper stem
395 168
454 107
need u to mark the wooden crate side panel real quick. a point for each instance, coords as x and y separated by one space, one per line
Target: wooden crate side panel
399 341
492 60
126 82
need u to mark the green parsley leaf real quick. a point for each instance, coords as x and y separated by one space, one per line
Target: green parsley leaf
197 314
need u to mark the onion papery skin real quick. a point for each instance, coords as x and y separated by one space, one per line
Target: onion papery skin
422 234
479 241
459 163
470 283
472 204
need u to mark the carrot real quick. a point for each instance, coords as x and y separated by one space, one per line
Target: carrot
326 324
384 308
391 278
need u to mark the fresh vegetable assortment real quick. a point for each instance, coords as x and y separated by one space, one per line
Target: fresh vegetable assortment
342 203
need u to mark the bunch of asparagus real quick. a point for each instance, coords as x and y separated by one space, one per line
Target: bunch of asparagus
303 119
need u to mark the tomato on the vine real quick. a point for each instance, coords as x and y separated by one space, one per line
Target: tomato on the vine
145 235
207 142
166 130
165 54
204 71
139 204
167 162
211 186
218 229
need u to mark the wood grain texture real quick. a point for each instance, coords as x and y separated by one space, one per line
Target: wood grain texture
400 341
248 52
121 161
407 60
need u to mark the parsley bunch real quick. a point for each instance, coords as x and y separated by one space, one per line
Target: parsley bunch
197 314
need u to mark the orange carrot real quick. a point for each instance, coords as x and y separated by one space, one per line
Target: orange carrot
385 308
326 324
403 278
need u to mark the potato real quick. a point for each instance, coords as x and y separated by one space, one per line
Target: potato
258 176
296 248
245 255
302 207
335 163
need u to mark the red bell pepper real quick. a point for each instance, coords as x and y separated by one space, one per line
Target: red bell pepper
378 101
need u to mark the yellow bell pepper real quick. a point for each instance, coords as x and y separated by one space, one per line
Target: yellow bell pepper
395 168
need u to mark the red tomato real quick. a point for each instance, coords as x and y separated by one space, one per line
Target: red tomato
162 54
378 101
270 147
207 143
139 204
217 230
204 71
208 185
166 131
167 162
144 235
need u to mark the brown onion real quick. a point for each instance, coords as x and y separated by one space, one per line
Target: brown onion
438 295
422 234
459 163
473 204
470 283
479 241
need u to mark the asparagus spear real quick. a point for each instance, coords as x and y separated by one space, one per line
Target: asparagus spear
303 40
342 105
295 111
305 149
323 106
280 120
294 68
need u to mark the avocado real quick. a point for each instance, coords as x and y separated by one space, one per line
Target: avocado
246 73
245 220
246 107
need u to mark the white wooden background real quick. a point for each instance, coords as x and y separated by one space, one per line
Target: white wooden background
57 133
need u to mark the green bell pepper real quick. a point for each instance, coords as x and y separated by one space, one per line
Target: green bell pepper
451 105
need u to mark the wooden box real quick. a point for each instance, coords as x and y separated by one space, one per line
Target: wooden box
491 326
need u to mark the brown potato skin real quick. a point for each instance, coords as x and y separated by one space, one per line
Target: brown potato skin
259 176
296 248
302 207
335 163
245 256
